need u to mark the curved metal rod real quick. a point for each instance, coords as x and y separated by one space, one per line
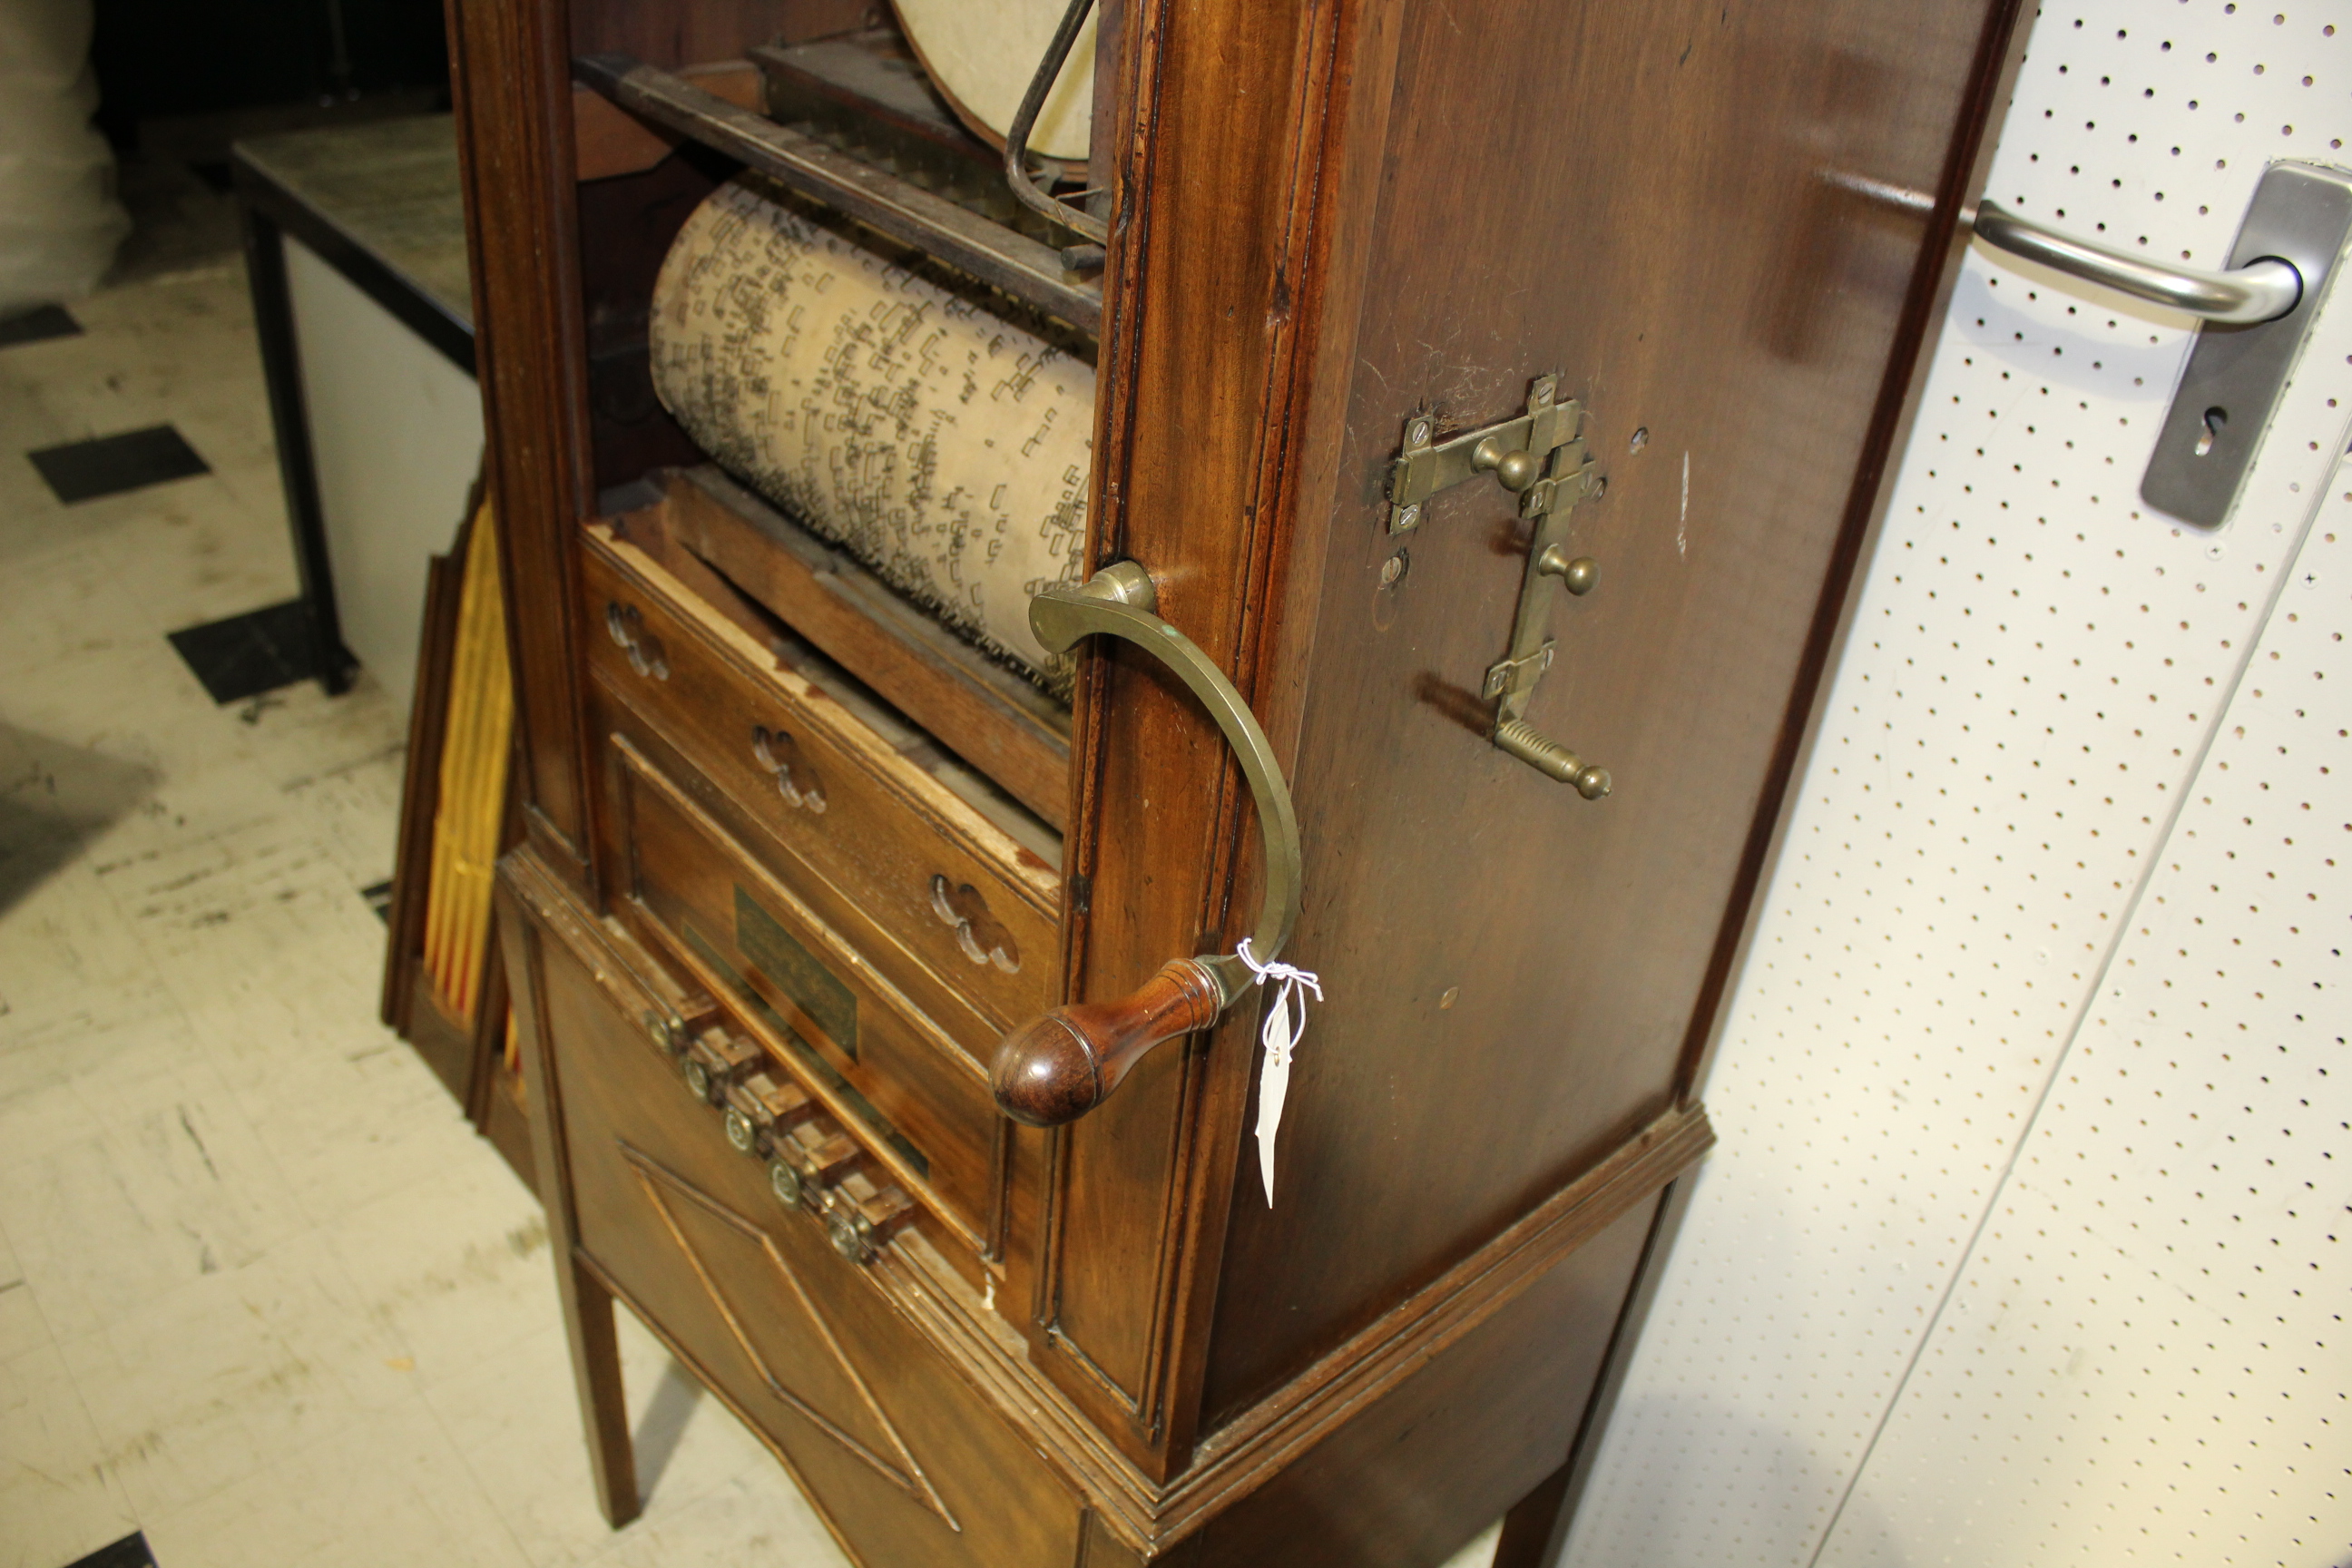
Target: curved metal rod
1016 140
1118 601
2261 291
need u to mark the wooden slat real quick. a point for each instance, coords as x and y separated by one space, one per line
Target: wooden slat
471 806
990 252
873 73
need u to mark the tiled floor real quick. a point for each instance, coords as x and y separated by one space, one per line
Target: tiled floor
263 1294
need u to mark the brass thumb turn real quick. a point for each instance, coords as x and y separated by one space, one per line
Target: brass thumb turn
1515 470
1057 1067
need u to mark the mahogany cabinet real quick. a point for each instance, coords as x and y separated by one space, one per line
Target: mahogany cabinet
1497 397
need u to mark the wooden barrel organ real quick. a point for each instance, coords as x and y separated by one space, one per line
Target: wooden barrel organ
959 596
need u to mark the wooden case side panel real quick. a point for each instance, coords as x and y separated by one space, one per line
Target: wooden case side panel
511 90
1644 199
1217 172
1416 1473
627 224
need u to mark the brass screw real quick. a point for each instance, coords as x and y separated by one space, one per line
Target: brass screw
1417 433
1408 516
1392 569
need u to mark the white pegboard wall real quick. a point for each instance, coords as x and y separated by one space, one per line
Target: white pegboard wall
2037 666
2144 1359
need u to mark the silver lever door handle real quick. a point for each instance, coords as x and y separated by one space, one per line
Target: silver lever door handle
2288 248
2261 291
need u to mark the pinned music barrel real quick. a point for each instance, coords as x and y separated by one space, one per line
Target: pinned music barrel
946 447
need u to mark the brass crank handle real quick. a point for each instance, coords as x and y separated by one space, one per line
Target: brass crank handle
1057 1067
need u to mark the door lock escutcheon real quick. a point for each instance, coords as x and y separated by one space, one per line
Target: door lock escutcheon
2255 314
1540 456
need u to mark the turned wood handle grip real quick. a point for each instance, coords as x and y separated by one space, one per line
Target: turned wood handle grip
1057 1067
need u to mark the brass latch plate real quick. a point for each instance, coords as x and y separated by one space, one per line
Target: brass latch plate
1425 465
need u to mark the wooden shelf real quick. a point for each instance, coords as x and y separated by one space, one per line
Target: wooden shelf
1025 268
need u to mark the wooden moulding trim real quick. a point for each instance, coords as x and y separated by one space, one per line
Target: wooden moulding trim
511 94
1003 1376
1201 1183
1235 1459
618 964
1241 1457
1204 1123
1036 883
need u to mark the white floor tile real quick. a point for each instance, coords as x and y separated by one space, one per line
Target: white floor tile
56 1502
216 1380
748 1518
40 1117
263 1293
71 975
390 1492
174 1188
535 1469
457 1268
364 1120
23 1328
1480 1552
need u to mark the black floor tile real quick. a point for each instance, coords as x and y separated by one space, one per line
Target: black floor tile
246 655
379 899
35 325
130 1552
109 465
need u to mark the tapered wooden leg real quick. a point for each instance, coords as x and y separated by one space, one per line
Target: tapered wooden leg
596 1372
587 1305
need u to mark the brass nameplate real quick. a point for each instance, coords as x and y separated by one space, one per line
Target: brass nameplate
795 970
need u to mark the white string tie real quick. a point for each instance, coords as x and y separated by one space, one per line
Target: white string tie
1285 1026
